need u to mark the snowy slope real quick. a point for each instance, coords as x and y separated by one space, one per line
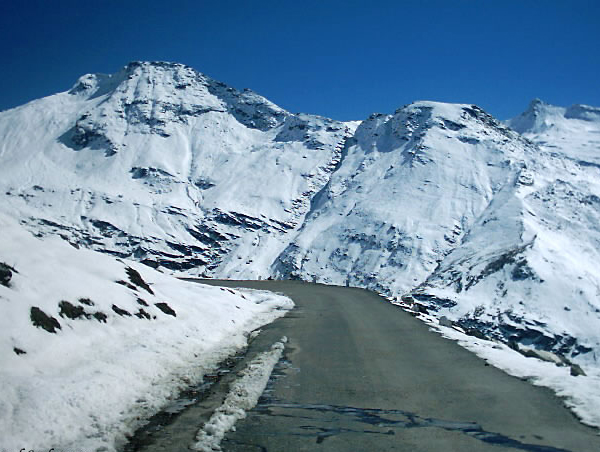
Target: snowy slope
91 344
163 164
407 189
527 269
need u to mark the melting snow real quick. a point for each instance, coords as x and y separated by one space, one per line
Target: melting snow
243 396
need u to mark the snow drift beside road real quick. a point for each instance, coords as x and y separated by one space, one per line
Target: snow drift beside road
243 396
125 339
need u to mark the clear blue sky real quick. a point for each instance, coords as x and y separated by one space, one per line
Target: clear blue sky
342 59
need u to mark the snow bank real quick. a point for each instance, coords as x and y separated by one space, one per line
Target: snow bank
581 394
114 341
243 396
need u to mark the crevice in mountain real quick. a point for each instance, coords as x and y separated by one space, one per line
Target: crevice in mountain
282 267
82 136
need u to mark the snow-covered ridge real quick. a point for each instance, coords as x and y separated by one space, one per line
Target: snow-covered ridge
162 164
525 272
446 203
92 345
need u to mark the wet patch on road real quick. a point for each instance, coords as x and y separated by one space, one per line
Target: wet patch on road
322 421
385 420
189 398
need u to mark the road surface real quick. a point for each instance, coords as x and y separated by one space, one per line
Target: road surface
360 374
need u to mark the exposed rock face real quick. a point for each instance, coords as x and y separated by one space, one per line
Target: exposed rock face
42 320
6 273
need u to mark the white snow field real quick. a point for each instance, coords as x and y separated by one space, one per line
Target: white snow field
574 132
494 225
85 359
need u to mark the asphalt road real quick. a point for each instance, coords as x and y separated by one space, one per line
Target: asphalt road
360 374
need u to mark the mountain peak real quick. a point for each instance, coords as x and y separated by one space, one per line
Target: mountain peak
538 116
165 165
536 103
141 77
161 64
541 117
150 96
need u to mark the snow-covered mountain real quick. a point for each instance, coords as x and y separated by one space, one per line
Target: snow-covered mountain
526 271
163 164
408 188
494 225
497 233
